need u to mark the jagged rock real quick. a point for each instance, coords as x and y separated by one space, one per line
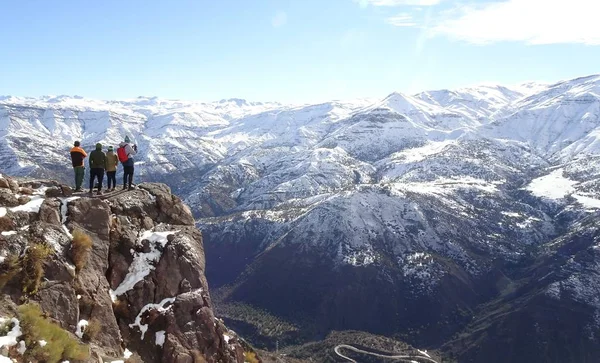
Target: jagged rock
182 259
53 192
26 191
66 190
6 224
59 301
137 205
13 185
50 212
8 199
176 270
24 200
191 329
172 209
32 184
22 218
4 183
93 217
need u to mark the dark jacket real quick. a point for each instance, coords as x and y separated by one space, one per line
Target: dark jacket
97 158
130 152
77 156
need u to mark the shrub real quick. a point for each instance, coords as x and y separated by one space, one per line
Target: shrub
60 345
5 328
91 330
80 248
33 267
9 269
250 357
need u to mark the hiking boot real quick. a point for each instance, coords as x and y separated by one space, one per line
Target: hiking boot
131 188
78 190
99 192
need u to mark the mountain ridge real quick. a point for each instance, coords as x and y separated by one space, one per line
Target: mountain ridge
431 204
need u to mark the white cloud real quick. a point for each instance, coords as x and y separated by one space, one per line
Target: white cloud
365 3
279 20
402 19
529 21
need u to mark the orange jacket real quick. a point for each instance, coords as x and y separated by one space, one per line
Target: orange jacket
77 156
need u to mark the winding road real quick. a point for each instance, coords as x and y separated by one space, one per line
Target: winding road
418 358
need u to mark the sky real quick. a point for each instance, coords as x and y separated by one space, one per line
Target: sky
289 50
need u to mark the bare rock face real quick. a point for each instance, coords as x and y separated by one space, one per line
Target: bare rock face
142 280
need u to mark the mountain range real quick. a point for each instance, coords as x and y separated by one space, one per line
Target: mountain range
462 220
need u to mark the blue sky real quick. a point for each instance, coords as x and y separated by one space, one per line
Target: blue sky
291 51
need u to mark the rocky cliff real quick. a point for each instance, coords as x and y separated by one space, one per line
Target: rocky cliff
117 277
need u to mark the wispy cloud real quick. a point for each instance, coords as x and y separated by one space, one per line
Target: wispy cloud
528 21
402 19
365 3
279 19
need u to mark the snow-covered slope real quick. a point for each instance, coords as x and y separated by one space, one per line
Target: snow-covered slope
428 188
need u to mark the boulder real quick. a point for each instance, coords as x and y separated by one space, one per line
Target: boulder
24 200
50 212
66 190
59 301
172 209
13 185
4 183
53 192
26 191
8 198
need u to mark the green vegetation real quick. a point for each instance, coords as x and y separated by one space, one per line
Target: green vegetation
32 265
80 248
5 328
60 344
267 324
250 357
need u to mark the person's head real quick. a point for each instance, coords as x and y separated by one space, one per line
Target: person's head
110 148
99 146
76 143
127 139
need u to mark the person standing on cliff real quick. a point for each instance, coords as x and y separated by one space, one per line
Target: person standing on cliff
125 153
112 161
97 165
77 156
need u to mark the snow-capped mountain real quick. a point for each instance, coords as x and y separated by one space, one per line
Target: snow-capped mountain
387 207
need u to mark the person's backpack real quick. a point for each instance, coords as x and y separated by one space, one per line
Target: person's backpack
122 154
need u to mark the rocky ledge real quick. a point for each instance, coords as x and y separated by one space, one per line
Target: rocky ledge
119 276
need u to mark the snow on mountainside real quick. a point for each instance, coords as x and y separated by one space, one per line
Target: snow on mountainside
428 197
231 157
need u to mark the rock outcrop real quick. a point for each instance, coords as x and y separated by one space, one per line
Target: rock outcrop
141 281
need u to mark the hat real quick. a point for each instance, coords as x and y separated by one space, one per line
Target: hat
76 143
127 139
110 148
98 146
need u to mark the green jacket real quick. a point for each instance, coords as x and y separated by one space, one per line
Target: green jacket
111 161
97 158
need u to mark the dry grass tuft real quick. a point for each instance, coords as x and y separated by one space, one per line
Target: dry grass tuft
60 344
80 248
32 265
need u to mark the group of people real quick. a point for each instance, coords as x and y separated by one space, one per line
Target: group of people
101 162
